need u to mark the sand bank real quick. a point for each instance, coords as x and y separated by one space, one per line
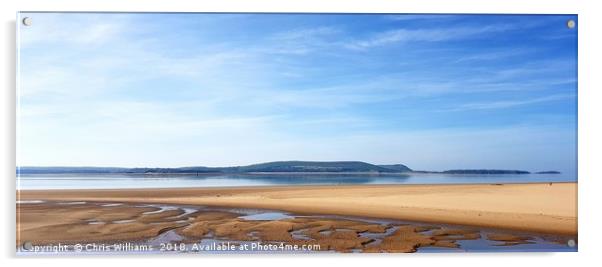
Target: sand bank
539 207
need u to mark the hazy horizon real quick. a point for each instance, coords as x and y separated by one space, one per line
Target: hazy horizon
432 92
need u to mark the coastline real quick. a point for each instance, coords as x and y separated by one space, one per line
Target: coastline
536 207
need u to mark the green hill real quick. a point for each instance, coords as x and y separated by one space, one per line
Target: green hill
315 166
397 167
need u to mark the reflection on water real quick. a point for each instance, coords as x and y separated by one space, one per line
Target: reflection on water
89 181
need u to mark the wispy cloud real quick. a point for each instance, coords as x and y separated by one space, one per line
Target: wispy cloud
496 104
427 35
301 41
495 55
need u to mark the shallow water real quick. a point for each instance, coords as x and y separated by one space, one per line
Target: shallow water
267 216
115 181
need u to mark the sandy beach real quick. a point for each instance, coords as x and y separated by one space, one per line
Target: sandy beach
537 207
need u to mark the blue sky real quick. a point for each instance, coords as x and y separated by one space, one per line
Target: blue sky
434 92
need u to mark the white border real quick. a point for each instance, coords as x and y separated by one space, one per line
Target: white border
589 125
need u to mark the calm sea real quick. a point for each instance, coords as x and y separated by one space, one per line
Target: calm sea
109 181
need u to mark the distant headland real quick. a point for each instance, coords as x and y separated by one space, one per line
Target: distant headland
269 167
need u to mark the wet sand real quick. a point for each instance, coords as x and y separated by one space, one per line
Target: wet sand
54 222
538 207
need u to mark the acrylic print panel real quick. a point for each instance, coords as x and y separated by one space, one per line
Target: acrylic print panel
206 133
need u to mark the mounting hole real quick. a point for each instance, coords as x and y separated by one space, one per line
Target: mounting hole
570 24
27 246
27 21
571 243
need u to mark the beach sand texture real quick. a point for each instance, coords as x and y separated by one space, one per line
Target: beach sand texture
538 207
102 223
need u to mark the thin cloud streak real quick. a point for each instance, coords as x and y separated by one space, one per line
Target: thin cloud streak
509 103
427 35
